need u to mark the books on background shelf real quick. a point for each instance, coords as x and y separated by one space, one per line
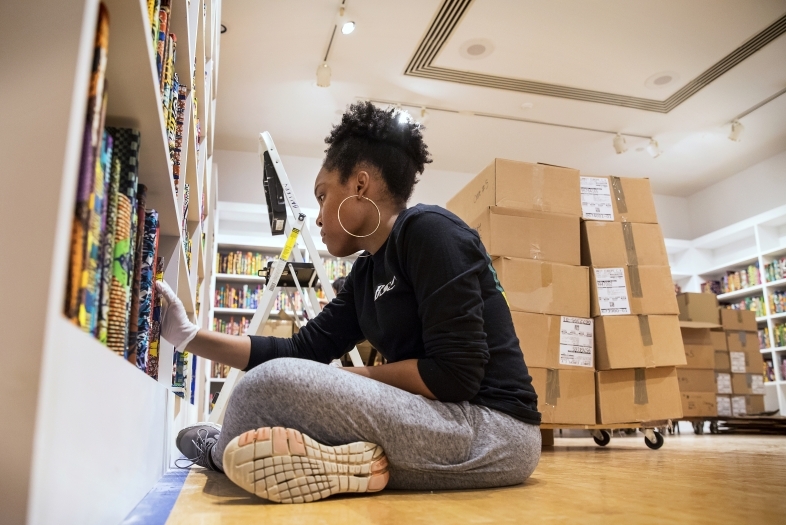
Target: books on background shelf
238 296
734 281
775 270
184 226
779 335
769 370
764 338
112 260
242 263
777 302
231 326
219 371
754 304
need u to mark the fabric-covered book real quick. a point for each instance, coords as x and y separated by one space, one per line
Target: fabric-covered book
147 287
139 234
155 327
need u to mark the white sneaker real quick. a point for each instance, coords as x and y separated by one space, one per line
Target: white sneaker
285 466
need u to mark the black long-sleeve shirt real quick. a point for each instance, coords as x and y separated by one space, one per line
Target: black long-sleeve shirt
429 293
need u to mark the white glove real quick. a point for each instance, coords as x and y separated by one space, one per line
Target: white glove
175 326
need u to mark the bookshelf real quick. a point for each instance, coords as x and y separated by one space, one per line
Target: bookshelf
92 432
267 248
759 240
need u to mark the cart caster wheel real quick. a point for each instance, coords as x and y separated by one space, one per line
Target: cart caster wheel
698 428
601 437
714 427
657 443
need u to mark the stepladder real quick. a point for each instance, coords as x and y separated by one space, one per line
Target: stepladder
290 270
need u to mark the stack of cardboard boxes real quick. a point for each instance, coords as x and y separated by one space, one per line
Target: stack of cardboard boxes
637 336
529 219
527 216
704 371
745 363
723 376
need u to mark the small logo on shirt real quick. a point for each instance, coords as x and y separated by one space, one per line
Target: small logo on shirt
382 288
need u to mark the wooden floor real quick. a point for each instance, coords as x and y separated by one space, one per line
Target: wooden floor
692 479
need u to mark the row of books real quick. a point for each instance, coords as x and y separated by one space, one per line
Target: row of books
777 302
283 301
238 297
336 268
231 326
775 270
754 304
184 226
733 281
219 371
113 258
173 93
778 333
769 368
242 263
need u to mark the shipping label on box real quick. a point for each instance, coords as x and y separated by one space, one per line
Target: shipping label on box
612 291
723 381
724 405
757 384
575 341
737 362
739 407
596 199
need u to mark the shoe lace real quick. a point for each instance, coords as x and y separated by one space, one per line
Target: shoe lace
203 445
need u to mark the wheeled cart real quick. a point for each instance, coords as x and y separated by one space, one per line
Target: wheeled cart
653 433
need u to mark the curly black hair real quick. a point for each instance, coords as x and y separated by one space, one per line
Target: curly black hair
368 134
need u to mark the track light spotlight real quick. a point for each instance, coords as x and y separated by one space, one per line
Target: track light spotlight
424 115
736 130
619 144
346 25
323 75
653 149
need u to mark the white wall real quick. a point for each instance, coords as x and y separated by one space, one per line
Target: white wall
757 189
760 188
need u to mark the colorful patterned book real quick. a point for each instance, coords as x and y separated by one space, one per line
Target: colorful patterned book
182 95
113 167
139 234
126 150
155 327
90 144
153 6
147 288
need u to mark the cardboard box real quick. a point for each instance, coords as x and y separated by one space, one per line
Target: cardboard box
544 288
643 341
636 290
699 404
278 328
608 244
696 336
718 339
529 234
700 357
747 384
723 382
696 380
640 394
741 341
746 405
748 362
619 199
520 185
723 403
698 307
744 320
553 341
565 396
722 361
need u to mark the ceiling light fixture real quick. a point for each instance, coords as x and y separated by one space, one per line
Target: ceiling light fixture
619 144
346 25
323 75
424 115
653 149
736 130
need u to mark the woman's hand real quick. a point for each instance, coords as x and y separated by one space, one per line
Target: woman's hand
175 326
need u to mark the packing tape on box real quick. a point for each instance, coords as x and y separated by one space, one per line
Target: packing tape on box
552 387
743 336
640 387
739 316
630 245
537 188
546 276
635 281
646 339
534 246
619 195
748 377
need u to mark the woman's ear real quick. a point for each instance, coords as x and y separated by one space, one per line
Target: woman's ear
362 179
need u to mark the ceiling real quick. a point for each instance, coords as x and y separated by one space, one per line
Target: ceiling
270 53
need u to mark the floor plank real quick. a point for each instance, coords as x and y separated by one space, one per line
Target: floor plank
692 479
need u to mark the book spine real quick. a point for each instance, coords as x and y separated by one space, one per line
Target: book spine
160 40
108 243
138 234
147 288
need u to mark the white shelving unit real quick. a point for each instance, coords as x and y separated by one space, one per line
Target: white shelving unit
760 239
92 433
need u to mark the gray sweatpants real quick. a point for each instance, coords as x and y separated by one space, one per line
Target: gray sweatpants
429 444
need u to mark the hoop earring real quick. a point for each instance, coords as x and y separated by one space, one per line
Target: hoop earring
379 217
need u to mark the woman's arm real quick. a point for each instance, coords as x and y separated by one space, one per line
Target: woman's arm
232 350
402 374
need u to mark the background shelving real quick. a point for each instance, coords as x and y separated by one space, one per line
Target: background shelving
755 241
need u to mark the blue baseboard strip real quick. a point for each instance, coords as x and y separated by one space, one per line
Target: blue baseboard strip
155 507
